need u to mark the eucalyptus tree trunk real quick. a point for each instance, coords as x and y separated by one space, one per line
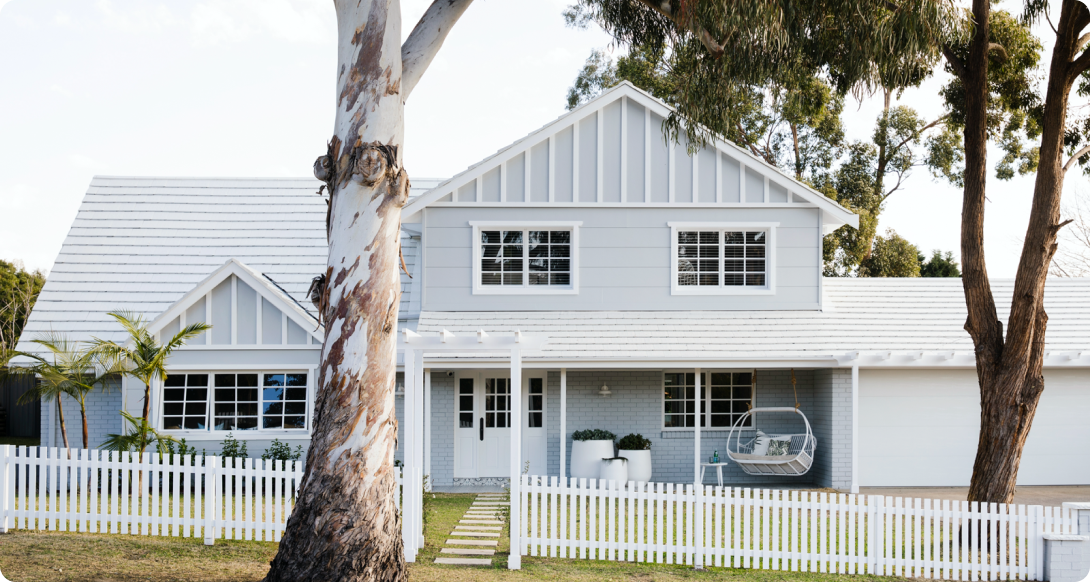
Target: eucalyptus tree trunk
345 524
1009 367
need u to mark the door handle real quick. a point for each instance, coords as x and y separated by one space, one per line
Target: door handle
482 428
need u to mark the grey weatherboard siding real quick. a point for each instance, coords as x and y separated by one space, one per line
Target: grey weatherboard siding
624 259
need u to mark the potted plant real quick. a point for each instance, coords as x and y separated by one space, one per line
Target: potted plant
637 450
614 469
588 449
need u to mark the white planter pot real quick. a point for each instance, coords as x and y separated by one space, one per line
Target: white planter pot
614 470
586 458
639 465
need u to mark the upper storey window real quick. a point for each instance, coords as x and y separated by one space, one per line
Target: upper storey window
713 259
525 258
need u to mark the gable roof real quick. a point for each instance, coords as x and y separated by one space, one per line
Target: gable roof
265 286
867 322
624 161
140 244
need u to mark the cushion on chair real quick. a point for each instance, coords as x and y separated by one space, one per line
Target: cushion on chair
778 447
760 444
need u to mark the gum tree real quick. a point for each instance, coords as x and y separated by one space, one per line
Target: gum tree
345 525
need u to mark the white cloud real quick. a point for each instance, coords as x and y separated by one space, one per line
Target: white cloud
83 162
294 21
142 19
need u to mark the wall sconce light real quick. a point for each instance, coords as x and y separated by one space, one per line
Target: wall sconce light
604 391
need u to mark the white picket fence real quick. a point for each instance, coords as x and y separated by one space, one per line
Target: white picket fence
120 492
806 531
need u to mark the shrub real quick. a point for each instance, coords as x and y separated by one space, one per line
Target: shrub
634 442
280 451
232 447
182 449
593 434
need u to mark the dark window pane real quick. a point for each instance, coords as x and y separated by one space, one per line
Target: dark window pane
295 422
720 378
539 278
743 378
755 266
174 395
490 251
721 420
173 408
738 407
538 237
295 408
673 421
512 236
733 279
709 266
560 265
200 394
733 238
733 252
675 407
225 410
273 422
174 380
490 279
512 265
740 392
755 238
247 409
247 380
709 252
197 380
755 280
512 278
490 420
535 420
274 408
225 395
272 394
539 251
535 386
172 422
490 236
194 423
194 408
755 252
297 379
539 264
465 420
709 279
709 238
512 251
246 394
687 252
560 236
721 392
296 394
465 385
465 403
224 423
274 379
687 238
730 266
560 251
560 278
225 380
720 406
247 423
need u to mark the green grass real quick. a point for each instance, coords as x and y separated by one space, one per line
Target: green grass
48 556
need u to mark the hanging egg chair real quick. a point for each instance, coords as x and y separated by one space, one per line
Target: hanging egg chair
789 455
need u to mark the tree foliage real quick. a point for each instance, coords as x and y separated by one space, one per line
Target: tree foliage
19 290
892 256
939 265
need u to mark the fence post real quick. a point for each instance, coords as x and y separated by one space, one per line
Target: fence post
211 484
5 476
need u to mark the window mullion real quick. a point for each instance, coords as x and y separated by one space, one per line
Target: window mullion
526 258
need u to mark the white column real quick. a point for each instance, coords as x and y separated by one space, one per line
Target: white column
418 459
855 429
563 424
698 515
514 560
427 424
408 445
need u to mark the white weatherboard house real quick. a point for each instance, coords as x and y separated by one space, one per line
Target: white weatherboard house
653 292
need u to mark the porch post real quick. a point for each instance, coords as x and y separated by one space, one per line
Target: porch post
563 424
408 432
427 425
418 453
855 429
514 560
698 493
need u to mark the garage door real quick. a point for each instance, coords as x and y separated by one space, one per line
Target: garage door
919 428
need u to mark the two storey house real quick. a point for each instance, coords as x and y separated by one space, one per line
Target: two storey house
660 291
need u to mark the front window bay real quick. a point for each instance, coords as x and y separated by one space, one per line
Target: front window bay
525 258
722 258
235 401
726 396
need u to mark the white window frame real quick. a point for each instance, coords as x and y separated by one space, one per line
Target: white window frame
707 400
525 288
210 433
770 259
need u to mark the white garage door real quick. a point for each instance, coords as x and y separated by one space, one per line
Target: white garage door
920 427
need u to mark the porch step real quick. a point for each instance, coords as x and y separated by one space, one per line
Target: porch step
481 520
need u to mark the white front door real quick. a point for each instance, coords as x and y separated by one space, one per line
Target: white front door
482 433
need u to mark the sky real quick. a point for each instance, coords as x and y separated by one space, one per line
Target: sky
247 88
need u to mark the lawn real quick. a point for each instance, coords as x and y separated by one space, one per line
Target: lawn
19 441
32 557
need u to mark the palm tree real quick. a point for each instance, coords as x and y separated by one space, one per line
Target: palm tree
75 371
139 437
143 357
53 376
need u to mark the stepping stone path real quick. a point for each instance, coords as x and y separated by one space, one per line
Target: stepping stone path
477 532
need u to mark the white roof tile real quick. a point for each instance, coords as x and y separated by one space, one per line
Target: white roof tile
871 316
140 244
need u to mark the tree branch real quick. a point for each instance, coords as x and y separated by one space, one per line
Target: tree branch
1075 157
689 24
1079 65
955 62
425 40
996 47
1082 42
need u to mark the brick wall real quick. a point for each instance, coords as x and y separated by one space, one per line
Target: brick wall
103 418
832 421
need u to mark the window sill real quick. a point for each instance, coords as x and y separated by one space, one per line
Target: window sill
542 290
219 435
694 290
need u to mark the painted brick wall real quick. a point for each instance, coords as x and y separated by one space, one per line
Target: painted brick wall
442 426
832 420
103 418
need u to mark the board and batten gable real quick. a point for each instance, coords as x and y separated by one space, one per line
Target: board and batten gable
624 259
606 172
